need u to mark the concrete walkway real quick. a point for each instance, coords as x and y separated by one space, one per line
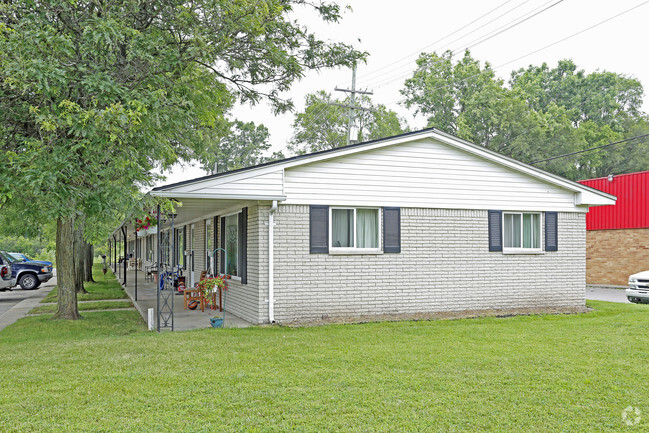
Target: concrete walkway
184 320
25 300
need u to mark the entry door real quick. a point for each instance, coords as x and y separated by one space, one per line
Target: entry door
191 255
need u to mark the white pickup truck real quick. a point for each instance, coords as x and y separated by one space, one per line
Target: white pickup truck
6 281
638 291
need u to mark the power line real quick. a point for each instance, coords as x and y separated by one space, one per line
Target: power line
578 33
493 35
513 23
512 61
384 83
529 53
590 149
445 37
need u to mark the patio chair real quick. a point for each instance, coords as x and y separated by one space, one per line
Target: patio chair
149 270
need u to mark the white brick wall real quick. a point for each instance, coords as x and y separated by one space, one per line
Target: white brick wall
444 266
248 300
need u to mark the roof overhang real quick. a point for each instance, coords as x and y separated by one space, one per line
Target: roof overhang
584 195
182 195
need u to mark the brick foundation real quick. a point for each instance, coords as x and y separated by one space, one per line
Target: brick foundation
613 255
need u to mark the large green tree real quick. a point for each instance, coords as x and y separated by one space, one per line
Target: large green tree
245 145
95 96
323 123
541 112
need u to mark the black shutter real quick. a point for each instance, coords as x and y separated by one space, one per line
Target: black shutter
551 232
215 259
243 245
222 244
391 230
495 230
319 229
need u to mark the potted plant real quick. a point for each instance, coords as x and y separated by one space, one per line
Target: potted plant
145 223
208 286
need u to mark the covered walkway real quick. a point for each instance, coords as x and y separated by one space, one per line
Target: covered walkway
183 319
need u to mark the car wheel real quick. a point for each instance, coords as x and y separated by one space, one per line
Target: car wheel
29 282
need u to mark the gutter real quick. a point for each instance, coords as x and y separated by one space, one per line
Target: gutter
271 265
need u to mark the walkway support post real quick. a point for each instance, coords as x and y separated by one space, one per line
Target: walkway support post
125 252
136 259
158 273
115 254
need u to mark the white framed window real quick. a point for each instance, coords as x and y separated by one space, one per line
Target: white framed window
522 232
230 238
354 230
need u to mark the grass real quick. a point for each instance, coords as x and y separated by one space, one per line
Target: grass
86 306
101 289
532 373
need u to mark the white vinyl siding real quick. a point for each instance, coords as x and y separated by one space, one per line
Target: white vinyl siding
424 173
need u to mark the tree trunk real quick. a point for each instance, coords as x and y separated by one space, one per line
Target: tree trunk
90 255
65 271
79 257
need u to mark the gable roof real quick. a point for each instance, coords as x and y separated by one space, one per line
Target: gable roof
190 188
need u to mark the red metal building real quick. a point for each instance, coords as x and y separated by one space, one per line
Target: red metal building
632 207
617 238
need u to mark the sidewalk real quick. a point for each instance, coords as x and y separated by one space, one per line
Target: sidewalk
33 299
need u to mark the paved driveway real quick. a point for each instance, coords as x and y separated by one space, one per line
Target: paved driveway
610 295
16 303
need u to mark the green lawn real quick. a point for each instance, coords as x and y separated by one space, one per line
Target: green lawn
86 306
105 373
104 287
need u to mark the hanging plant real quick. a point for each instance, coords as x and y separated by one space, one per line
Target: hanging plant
147 222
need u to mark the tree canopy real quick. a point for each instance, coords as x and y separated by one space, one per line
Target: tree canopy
96 96
540 113
323 123
244 146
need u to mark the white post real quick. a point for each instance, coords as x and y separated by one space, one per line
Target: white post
151 319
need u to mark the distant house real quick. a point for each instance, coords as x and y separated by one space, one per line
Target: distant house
416 225
617 240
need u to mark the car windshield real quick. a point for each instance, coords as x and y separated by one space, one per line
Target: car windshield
8 257
18 257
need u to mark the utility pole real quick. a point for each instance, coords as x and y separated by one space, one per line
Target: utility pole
352 106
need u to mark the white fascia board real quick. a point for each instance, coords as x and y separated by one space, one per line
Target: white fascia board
587 198
254 197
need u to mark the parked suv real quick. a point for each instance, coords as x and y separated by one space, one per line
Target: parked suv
29 275
6 280
23 258
638 291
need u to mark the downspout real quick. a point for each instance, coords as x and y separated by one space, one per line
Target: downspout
271 270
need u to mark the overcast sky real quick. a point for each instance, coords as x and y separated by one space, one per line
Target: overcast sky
395 35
